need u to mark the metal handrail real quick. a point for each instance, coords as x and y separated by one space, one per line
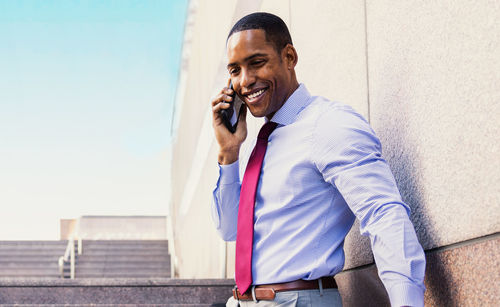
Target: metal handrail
69 253
79 238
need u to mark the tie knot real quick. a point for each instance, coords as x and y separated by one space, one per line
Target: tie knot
266 130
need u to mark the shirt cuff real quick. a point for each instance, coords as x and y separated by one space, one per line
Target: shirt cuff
229 173
406 294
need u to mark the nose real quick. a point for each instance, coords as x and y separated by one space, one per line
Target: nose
247 79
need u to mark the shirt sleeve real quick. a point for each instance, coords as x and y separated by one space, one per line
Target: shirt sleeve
348 155
226 197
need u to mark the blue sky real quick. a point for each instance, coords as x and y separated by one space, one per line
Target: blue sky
86 99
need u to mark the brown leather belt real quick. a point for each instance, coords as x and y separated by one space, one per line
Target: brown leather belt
268 292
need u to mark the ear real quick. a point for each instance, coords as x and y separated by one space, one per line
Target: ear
290 56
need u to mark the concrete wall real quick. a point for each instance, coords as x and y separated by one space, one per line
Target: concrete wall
111 227
66 228
425 74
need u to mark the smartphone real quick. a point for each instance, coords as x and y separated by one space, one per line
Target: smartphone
230 115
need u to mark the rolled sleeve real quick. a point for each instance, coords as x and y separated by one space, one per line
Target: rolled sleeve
229 173
406 294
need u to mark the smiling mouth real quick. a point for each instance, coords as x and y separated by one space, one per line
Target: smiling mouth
251 98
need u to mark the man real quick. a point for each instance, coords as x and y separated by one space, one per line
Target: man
315 167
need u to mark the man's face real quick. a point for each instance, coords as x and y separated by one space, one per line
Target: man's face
260 75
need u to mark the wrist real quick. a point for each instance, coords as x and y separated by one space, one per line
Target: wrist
228 156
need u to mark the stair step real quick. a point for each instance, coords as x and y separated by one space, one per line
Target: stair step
124 265
126 258
124 254
30 251
28 259
125 249
142 244
118 242
38 253
33 243
14 265
125 243
121 275
128 252
114 292
27 271
114 269
28 274
33 246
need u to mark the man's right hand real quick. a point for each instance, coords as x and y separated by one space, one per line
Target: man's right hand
229 143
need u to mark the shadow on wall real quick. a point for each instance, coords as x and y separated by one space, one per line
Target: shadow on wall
403 156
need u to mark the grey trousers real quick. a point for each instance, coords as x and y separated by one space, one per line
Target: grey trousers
301 298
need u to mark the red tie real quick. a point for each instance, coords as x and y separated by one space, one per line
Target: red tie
244 236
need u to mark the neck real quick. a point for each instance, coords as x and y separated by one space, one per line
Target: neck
294 87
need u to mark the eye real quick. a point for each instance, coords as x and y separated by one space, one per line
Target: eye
234 71
257 62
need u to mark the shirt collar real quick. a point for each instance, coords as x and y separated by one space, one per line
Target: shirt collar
292 106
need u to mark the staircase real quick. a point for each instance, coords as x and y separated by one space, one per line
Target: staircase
30 258
108 273
123 258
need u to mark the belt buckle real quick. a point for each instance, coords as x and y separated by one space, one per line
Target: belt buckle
256 294
235 293
239 296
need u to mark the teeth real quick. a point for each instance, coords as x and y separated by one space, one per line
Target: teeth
251 96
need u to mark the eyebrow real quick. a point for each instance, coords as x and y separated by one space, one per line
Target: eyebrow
248 58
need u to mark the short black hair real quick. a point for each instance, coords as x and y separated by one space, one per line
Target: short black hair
275 28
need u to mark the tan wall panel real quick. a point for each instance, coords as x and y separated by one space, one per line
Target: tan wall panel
231 250
330 39
198 246
280 8
435 103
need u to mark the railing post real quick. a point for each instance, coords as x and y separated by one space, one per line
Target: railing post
61 266
72 259
76 234
80 246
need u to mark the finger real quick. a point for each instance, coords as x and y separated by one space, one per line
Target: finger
221 98
217 118
220 106
216 99
228 91
227 98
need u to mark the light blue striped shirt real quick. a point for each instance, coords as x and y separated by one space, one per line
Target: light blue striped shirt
323 163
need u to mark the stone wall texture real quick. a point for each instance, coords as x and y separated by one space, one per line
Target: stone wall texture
424 73
463 275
